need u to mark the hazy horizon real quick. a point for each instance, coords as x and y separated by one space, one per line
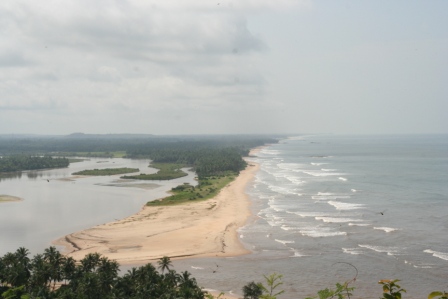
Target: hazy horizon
223 67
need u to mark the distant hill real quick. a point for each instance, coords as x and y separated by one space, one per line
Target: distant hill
108 136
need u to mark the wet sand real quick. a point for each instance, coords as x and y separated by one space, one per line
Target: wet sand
198 229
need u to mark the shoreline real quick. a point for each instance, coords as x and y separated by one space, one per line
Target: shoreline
198 229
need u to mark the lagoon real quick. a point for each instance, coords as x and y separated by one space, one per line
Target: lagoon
56 203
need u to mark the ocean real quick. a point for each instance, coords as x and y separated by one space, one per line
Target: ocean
330 208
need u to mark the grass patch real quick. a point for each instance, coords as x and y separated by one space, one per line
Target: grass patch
167 171
208 187
106 171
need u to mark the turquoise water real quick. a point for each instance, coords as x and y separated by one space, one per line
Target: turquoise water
325 205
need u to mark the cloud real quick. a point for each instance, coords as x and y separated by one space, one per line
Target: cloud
129 53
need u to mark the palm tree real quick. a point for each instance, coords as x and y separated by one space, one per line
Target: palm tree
40 278
90 262
68 268
164 264
55 262
108 273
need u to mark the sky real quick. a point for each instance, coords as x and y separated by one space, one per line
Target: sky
223 66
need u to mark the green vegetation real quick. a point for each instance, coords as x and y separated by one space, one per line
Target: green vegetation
107 171
52 275
206 189
206 155
258 290
23 162
167 171
205 160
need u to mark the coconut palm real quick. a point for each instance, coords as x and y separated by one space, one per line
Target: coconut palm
164 264
55 262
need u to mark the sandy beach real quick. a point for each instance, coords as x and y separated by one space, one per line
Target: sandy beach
198 229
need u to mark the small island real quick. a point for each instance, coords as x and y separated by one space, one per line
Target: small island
9 198
206 189
106 171
167 171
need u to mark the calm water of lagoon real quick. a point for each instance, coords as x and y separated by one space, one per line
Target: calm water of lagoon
56 203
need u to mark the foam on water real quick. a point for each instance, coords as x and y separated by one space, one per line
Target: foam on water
381 249
291 166
308 214
341 200
287 228
270 152
297 253
284 242
337 219
295 180
320 173
359 224
386 229
440 255
282 190
317 232
329 197
354 251
345 206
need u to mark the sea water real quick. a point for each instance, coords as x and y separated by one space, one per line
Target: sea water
331 209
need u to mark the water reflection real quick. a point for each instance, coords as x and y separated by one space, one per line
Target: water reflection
34 174
10 176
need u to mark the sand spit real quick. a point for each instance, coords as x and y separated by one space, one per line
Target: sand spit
9 198
197 229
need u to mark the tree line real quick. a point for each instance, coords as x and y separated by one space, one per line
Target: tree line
207 155
26 162
53 275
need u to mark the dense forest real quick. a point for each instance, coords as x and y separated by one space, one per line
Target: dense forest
207 155
26 162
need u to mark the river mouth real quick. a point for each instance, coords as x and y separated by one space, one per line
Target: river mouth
56 203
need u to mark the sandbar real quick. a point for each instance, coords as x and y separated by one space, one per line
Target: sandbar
197 229
9 198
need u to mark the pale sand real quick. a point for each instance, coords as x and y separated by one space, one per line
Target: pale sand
9 198
197 229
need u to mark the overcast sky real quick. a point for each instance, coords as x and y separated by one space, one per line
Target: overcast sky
224 66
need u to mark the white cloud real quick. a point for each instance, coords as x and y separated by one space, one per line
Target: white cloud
155 55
